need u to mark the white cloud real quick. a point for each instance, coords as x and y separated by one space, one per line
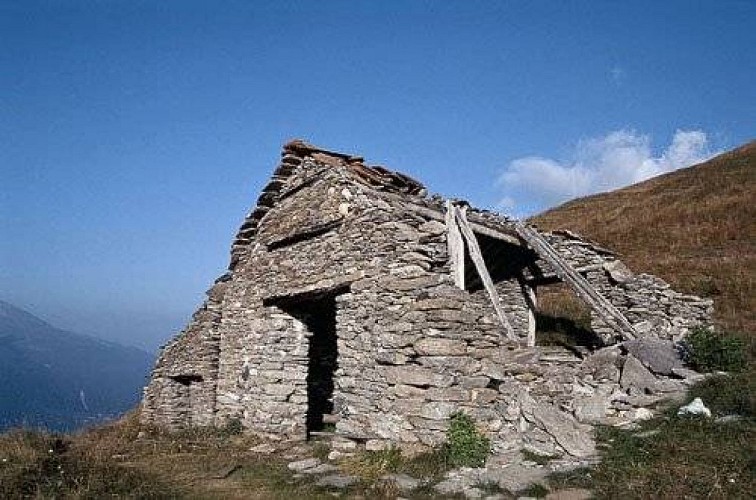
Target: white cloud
601 164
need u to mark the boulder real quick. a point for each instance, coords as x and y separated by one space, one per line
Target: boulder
636 377
695 408
618 271
659 356
591 410
603 364
575 438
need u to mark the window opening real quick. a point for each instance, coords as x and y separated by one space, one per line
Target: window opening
562 319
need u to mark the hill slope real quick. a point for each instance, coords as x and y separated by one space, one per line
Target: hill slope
61 380
695 227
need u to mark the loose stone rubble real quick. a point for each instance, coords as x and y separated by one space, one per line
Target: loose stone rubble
343 310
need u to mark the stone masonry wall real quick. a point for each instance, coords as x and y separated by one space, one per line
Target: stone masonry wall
413 349
183 386
400 292
648 302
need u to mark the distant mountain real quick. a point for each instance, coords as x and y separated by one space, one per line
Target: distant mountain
62 380
695 227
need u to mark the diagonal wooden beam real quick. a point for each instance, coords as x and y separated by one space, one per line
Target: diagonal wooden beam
577 282
480 266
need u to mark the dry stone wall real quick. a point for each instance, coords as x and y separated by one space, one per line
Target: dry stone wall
184 381
399 292
328 247
648 302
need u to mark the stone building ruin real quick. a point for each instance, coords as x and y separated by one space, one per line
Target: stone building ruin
353 298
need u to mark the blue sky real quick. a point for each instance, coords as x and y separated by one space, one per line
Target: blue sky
134 135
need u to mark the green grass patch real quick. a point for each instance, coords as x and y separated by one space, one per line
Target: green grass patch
465 445
534 491
732 394
537 457
686 457
708 351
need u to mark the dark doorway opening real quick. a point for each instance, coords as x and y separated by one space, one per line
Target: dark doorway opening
318 313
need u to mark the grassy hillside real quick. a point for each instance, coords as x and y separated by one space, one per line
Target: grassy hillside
695 227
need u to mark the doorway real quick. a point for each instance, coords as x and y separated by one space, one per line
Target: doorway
318 313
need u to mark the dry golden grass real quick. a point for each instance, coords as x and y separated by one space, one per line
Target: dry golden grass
125 460
695 227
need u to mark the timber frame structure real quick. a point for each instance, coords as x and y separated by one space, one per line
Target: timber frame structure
352 297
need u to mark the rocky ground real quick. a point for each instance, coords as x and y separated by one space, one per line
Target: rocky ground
702 447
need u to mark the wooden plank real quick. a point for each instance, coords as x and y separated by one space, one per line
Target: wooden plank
580 285
548 278
493 233
532 303
480 266
577 282
456 247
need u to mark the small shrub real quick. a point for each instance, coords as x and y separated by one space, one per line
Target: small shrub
320 450
465 445
431 464
537 457
707 351
233 427
535 490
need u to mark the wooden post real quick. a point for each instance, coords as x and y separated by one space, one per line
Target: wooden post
480 266
456 247
532 303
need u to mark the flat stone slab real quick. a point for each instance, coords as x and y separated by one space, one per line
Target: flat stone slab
264 448
303 465
337 481
570 494
321 469
517 477
403 482
574 437
659 356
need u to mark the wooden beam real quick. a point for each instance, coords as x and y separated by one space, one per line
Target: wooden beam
480 266
577 282
539 278
456 247
531 301
496 234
